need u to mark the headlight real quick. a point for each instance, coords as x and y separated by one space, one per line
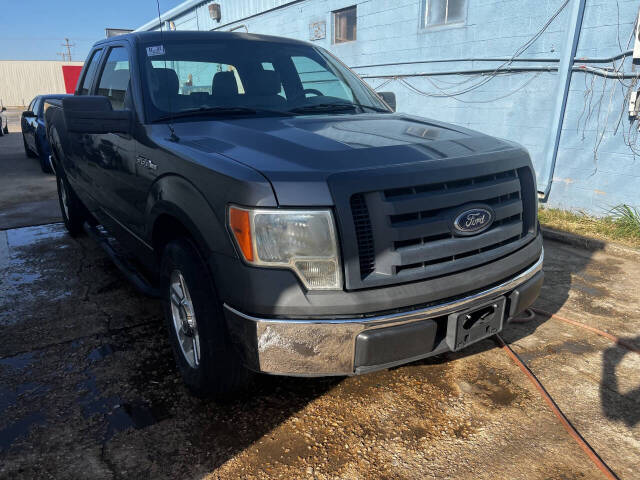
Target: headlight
304 241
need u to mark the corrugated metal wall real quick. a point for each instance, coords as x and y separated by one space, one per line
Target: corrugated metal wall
20 81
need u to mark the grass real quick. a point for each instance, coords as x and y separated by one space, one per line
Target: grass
621 224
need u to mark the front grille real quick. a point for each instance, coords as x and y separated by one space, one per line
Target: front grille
412 227
364 235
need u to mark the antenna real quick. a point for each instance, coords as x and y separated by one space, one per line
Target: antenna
173 137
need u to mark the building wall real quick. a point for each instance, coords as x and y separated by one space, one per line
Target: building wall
596 167
518 106
20 81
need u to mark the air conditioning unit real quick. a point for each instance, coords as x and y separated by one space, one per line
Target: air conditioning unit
214 12
633 105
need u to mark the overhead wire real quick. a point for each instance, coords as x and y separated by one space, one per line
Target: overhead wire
512 92
497 70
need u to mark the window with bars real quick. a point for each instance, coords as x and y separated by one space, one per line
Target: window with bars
444 12
344 25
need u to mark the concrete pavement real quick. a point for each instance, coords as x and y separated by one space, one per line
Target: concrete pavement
27 196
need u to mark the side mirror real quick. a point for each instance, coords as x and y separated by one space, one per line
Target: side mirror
26 113
94 114
389 98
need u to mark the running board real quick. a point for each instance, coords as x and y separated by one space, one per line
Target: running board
124 265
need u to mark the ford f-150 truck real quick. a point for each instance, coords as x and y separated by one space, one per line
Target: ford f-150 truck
290 221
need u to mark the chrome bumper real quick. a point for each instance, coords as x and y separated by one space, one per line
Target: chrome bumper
323 347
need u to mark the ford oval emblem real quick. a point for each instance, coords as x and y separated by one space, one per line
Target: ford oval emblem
473 221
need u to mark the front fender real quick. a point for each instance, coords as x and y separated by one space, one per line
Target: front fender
175 196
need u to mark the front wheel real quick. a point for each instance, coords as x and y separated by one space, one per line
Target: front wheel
73 211
194 318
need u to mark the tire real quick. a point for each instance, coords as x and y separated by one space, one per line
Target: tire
44 161
27 150
218 371
73 211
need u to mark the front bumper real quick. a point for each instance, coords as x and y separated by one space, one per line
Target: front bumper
348 346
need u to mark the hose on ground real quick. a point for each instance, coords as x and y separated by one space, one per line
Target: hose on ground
584 445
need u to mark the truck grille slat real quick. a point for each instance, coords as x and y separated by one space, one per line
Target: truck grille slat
458 245
415 229
508 209
412 227
441 265
423 203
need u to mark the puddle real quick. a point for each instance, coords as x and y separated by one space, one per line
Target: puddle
13 371
137 415
29 256
19 428
118 416
100 352
22 237
18 362
9 397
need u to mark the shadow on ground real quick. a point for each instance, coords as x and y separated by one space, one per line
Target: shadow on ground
611 395
89 387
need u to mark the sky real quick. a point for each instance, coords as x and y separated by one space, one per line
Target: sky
36 29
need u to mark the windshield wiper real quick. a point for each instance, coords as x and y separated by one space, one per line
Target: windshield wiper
375 109
221 111
336 107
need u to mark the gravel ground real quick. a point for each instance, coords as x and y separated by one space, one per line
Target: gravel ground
89 389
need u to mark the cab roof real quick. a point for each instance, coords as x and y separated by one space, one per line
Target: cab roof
199 36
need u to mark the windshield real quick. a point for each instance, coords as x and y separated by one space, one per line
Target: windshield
248 77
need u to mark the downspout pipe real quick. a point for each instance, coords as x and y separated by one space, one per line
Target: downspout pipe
565 69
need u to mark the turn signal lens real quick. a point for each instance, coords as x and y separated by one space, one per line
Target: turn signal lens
241 228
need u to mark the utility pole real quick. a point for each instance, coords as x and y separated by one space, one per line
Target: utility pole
66 56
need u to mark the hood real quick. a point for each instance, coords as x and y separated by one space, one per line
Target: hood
298 154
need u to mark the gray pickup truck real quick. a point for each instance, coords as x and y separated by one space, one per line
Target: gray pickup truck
289 220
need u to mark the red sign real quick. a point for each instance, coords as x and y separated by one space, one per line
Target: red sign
71 73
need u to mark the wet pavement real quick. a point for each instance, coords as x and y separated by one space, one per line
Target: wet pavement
27 195
89 389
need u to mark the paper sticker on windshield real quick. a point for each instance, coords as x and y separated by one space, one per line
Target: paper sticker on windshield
156 50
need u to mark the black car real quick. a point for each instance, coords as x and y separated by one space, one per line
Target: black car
292 223
33 131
